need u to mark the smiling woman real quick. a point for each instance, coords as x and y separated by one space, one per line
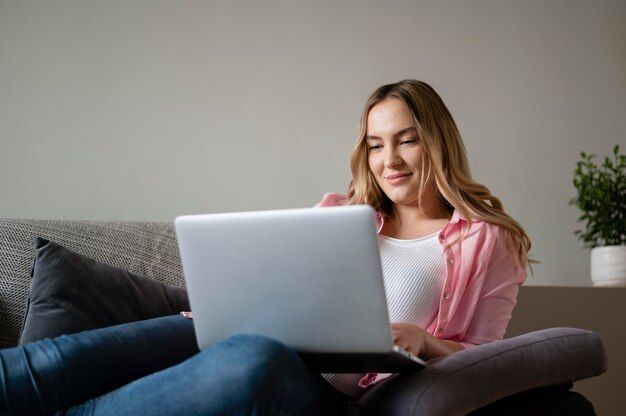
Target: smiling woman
396 160
452 258
411 119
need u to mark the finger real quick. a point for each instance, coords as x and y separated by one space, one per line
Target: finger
397 336
407 347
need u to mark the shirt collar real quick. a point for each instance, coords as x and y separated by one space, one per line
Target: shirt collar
456 217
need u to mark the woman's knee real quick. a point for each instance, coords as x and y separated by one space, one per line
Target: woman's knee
257 365
259 355
264 373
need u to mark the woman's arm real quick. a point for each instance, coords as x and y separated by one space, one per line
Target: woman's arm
498 295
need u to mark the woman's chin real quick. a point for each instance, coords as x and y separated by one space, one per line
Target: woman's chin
402 198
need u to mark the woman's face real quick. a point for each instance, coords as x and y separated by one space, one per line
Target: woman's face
395 151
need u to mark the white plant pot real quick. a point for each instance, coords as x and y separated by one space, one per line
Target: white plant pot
608 266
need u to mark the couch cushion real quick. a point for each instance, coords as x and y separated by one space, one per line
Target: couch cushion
70 292
470 379
147 248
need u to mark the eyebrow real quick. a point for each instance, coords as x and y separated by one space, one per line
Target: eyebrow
397 134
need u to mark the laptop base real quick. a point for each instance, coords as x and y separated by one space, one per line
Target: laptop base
391 362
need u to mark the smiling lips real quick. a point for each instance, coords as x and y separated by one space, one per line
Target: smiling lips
397 178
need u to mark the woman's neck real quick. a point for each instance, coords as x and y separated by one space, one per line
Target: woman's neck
411 222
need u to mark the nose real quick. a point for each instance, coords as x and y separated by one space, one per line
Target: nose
392 157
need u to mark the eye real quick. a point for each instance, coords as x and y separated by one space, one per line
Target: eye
374 147
408 141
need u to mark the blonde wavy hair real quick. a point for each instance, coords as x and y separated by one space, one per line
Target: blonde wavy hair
445 155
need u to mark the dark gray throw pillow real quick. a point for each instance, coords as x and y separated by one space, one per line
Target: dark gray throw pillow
70 293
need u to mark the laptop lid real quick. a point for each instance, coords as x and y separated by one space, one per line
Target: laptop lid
310 278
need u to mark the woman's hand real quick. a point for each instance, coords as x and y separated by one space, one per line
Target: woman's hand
187 315
409 337
419 342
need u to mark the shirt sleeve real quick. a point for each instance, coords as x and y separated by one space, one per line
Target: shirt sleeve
498 295
332 199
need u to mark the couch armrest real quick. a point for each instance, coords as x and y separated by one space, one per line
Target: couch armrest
470 379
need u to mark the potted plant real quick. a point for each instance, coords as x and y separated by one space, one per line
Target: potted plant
602 199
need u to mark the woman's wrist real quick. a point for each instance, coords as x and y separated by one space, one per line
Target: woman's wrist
435 347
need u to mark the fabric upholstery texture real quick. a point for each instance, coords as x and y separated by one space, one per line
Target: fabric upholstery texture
148 249
70 292
472 378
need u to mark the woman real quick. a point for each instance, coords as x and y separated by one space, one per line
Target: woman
452 259
452 262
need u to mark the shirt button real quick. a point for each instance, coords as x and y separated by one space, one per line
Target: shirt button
446 295
442 237
440 330
450 260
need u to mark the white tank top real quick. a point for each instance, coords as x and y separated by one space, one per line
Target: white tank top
414 272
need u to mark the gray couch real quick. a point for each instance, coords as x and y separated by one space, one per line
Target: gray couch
527 374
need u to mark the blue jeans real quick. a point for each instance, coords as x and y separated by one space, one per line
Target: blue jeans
154 367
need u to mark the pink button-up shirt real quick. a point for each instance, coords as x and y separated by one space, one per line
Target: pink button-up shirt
481 284
482 280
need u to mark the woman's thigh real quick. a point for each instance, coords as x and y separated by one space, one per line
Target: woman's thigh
242 375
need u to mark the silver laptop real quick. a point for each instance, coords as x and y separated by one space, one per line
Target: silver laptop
310 278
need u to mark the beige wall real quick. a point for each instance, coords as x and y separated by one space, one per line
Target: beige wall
601 310
152 108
